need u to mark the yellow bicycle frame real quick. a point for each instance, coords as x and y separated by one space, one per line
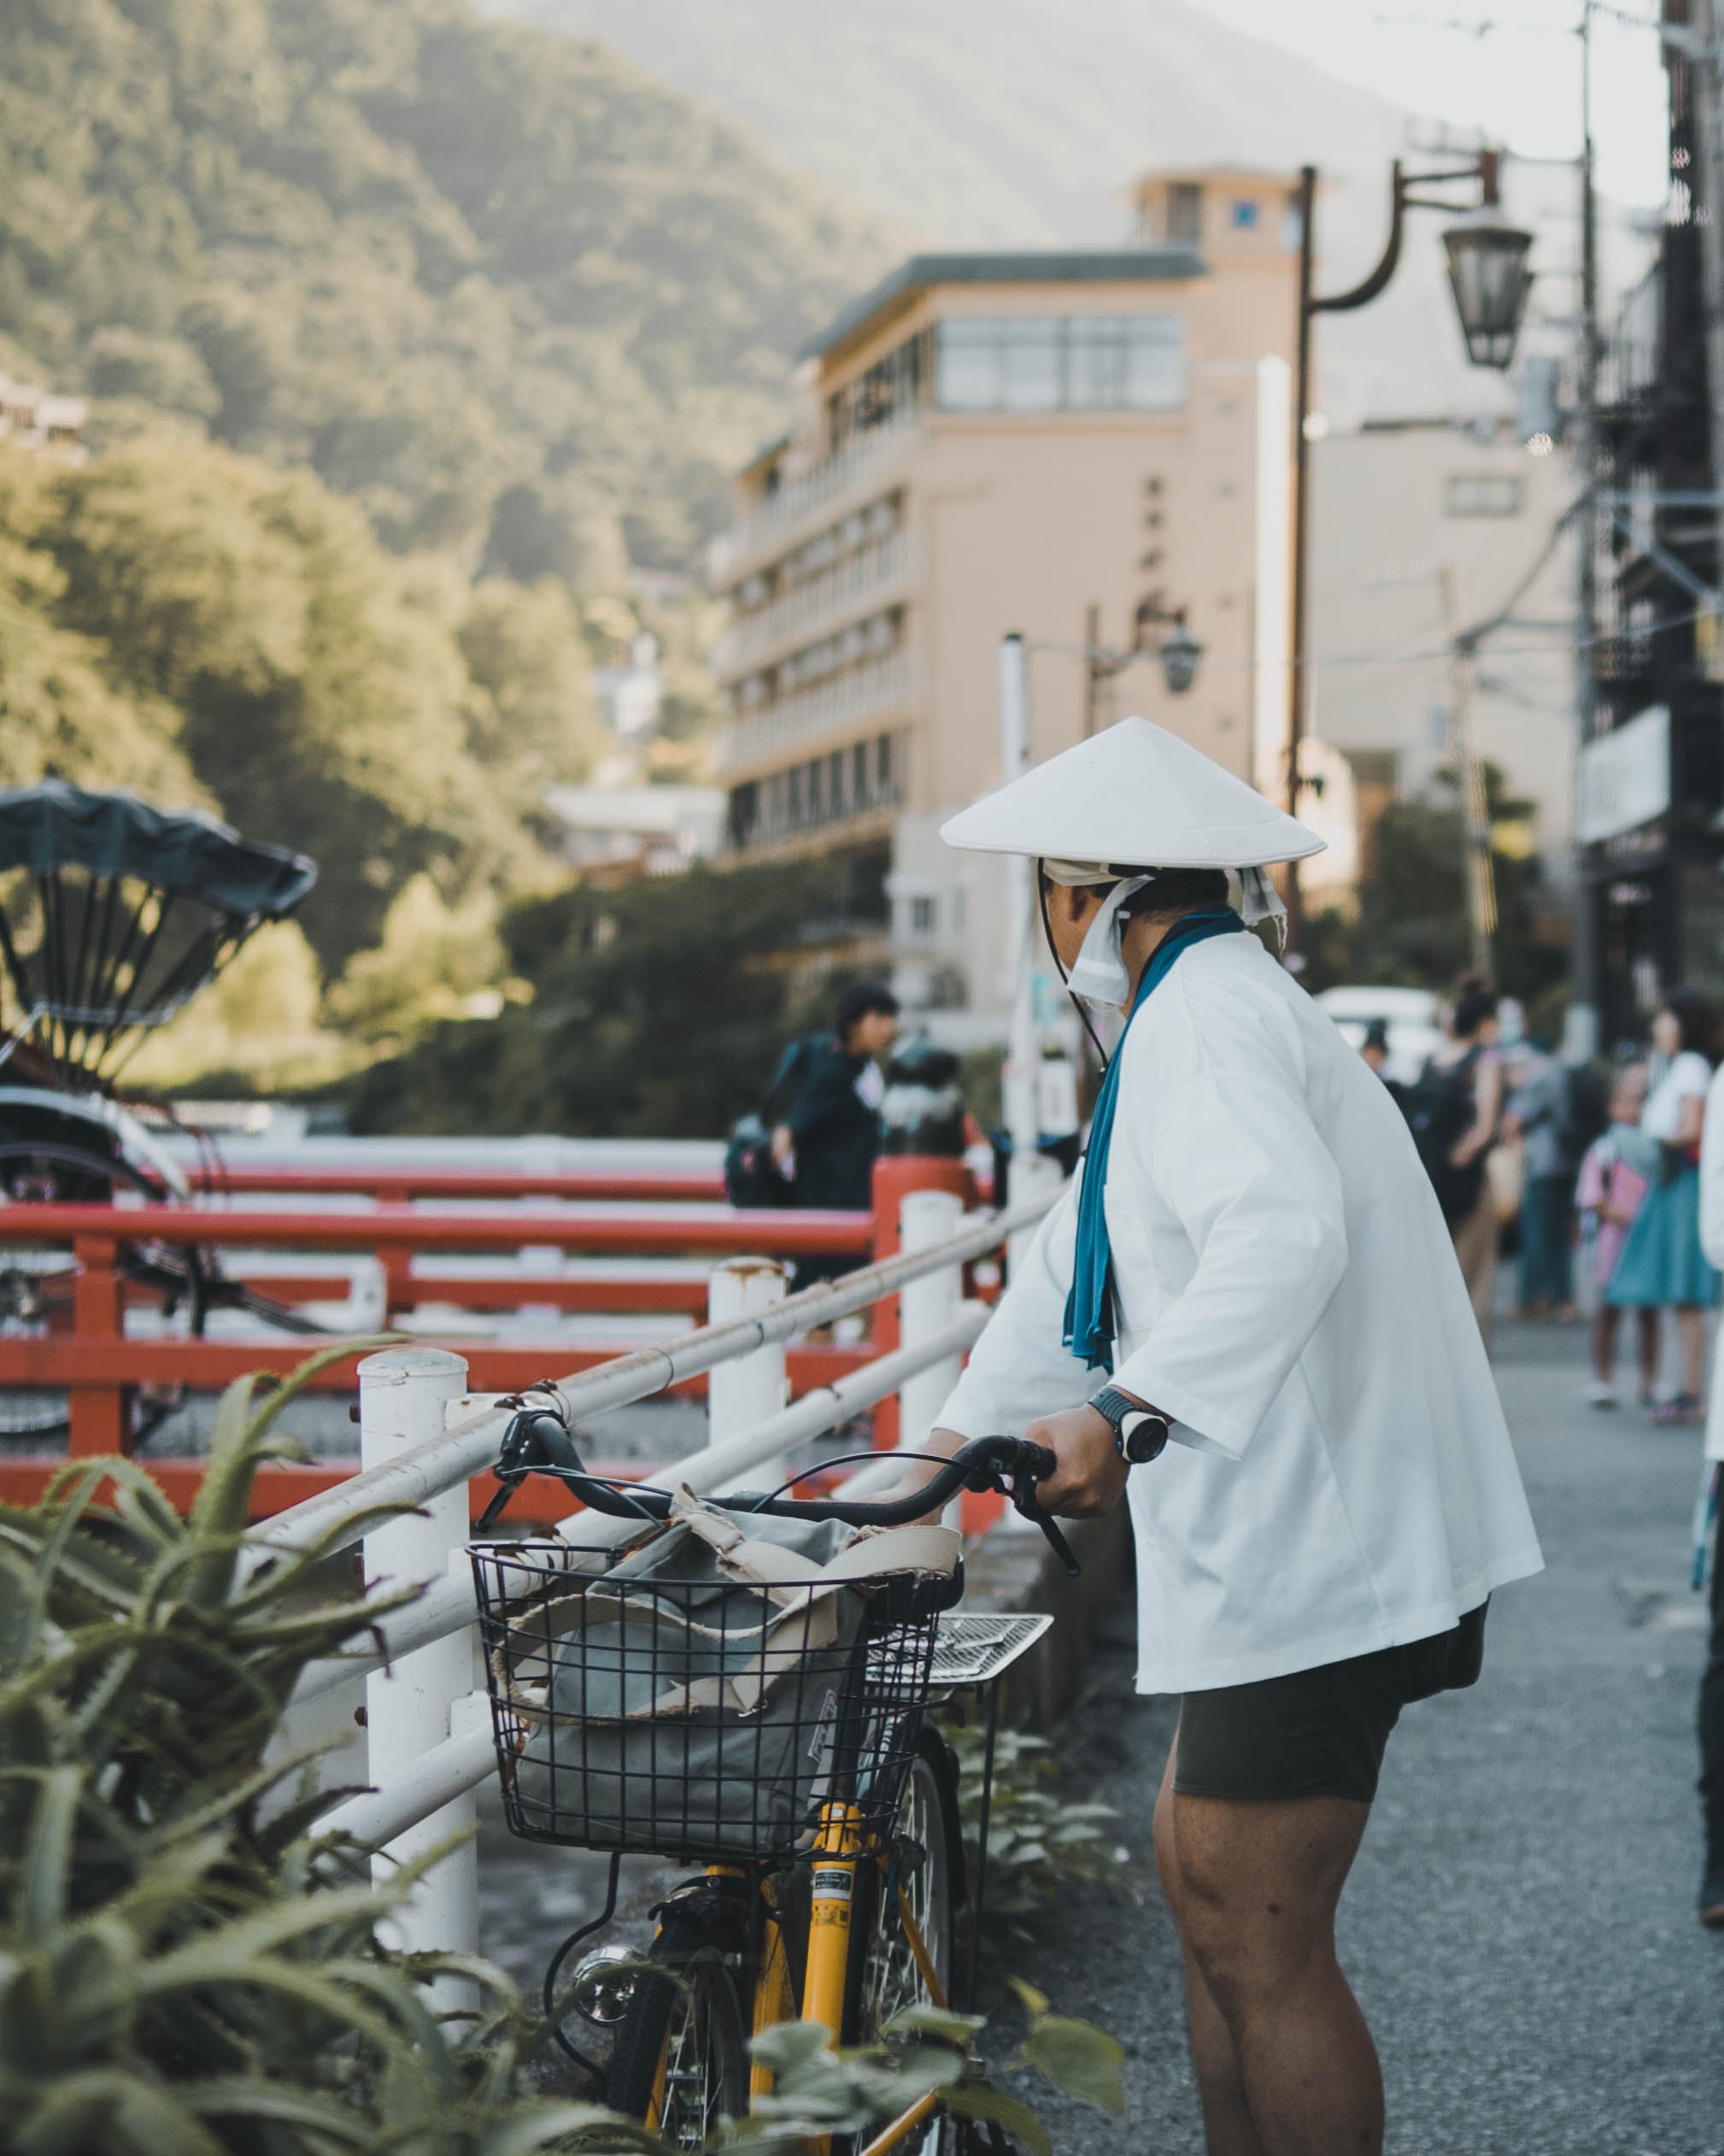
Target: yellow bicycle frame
838 1850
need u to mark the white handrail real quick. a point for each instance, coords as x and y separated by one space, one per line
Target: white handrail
449 1770
449 1603
470 1447
413 1792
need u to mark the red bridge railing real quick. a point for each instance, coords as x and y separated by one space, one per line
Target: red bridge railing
430 1254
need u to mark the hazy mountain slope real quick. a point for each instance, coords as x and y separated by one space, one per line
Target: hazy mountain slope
498 285
990 122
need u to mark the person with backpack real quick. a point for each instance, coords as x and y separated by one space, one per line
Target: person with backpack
826 1145
1455 1111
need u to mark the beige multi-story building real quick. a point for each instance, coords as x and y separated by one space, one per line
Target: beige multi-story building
1077 447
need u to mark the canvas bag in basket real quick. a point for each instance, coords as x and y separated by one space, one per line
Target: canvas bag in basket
690 1697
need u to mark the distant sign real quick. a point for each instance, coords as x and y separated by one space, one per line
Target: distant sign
1625 777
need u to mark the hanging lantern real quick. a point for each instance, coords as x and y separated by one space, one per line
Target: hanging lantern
1179 654
1490 279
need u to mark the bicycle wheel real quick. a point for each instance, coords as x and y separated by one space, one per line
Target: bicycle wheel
888 1976
681 2061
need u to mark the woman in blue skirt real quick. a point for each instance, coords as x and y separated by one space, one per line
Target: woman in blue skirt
1662 1267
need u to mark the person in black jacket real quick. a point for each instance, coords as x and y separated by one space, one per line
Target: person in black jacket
827 1142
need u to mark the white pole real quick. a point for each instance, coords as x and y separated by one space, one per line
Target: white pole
929 1306
1019 1079
403 1397
750 1390
1031 1173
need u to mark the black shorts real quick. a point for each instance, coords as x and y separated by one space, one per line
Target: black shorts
1318 1732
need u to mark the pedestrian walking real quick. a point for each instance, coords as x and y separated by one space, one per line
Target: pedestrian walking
1537 1116
1710 1538
1663 1265
826 1145
1245 1317
1616 1175
1456 1111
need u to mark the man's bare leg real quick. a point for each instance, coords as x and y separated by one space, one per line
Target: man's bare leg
1285 2063
1227 2126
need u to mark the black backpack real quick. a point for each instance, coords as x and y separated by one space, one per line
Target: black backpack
1438 1108
752 1177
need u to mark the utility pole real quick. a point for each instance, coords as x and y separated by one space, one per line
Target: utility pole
1581 1031
1092 671
1297 669
1708 33
1475 814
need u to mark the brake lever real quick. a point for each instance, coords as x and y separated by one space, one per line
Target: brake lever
537 1438
1024 1498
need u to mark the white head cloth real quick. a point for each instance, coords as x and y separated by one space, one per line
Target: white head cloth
1099 975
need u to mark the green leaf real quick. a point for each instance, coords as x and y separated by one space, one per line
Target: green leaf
110 2108
47 1858
1080 2059
980 2100
788 2045
923 2020
1035 2001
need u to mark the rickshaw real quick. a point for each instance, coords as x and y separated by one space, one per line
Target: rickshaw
113 914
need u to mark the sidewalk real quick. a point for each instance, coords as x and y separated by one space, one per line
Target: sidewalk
1520 1926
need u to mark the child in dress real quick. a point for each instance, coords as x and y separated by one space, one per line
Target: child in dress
1614 1179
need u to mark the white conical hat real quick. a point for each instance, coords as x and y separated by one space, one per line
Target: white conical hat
1134 793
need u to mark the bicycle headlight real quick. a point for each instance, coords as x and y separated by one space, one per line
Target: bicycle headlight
603 1987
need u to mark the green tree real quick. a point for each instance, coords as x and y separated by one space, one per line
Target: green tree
1412 927
659 1008
507 293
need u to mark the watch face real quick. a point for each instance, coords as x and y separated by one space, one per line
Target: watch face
1142 1438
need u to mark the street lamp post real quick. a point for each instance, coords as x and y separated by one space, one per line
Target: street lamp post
1179 651
1490 279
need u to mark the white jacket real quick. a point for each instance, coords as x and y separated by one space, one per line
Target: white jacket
1341 1478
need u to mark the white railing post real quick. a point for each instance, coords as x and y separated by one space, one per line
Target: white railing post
403 1397
927 1307
743 1394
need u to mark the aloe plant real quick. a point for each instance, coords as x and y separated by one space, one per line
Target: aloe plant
187 1967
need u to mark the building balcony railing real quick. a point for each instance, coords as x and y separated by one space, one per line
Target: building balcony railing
848 700
860 462
853 586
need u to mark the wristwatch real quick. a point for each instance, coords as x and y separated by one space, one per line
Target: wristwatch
1139 1432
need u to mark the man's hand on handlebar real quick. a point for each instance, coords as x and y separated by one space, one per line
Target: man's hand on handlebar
1090 1478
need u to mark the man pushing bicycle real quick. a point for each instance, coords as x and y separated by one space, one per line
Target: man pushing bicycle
1246 1317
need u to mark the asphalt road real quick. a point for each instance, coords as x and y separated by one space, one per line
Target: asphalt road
1520 1926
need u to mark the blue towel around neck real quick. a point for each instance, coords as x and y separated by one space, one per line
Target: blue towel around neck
1090 1311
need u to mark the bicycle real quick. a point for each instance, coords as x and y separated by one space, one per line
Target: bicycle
838 1904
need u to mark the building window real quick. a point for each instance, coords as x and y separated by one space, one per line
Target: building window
834 783
924 916
890 389
1184 214
745 814
1481 494
882 768
1060 363
792 806
858 775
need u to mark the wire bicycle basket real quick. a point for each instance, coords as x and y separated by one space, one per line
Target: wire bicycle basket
704 1717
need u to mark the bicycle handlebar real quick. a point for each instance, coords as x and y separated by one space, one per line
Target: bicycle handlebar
538 1443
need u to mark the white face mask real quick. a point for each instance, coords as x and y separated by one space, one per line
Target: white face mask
1099 975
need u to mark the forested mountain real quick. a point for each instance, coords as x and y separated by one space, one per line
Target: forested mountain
520 301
